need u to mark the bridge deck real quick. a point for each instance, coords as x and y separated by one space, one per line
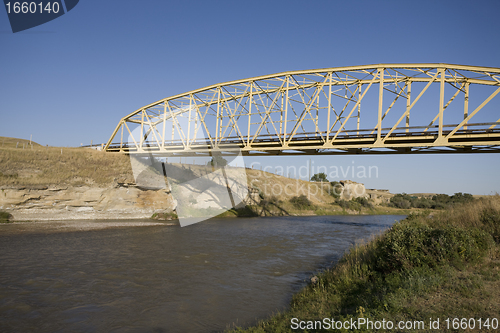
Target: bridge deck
348 143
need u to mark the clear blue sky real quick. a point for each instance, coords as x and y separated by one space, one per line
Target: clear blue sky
70 80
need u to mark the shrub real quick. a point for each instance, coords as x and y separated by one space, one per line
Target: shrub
438 201
335 189
164 216
4 217
218 161
301 202
441 199
409 245
422 203
342 203
491 222
444 200
319 177
459 198
363 202
349 204
14 175
272 200
402 201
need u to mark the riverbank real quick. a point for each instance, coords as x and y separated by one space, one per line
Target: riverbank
58 183
271 210
40 183
440 266
52 183
17 228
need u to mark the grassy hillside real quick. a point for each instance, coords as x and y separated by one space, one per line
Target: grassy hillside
38 165
441 266
6 142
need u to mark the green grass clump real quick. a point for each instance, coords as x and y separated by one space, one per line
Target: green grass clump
438 201
164 216
491 223
301 202
5 217
411 244
440 266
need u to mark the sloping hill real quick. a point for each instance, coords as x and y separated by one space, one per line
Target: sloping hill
6 142
39 165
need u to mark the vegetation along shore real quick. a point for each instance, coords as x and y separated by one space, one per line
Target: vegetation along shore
443 265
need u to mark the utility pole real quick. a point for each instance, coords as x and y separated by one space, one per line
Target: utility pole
309 170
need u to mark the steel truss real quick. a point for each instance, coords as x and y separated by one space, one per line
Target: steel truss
347 110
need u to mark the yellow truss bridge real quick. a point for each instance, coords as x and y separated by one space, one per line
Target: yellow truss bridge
371 109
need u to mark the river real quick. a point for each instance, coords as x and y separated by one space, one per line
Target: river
157 278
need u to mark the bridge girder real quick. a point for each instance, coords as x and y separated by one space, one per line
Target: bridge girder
452 110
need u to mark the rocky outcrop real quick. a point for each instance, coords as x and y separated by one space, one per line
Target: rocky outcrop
379 197
83 202
351 190
129 201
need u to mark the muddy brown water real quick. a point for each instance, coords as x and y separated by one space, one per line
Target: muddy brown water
119 276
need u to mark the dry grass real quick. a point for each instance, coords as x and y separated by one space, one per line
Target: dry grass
284 188
470 214
481 214
60 166
6 142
